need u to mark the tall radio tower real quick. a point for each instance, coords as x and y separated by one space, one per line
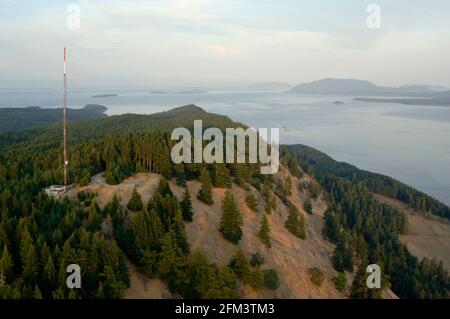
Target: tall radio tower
65 119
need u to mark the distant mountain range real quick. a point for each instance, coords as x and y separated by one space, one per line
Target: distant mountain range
407 94
360 87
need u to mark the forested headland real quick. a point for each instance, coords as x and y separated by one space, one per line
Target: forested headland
17 119
366 231
40 235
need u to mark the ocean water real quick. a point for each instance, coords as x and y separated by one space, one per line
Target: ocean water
409 143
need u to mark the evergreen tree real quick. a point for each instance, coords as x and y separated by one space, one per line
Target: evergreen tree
257 278
4 237
135 203
49 274
257 260
231 220
29 258
210 281
94 221
239 264
37 293
164 187
331 228
72 294
147 230
359 288
180 233
271 279
6 265
360 248
307 205
295 223
221 176
340 281
314 189
172 263
180 174
112 286
343 255
58 294
251 202
149 262
205 192
186 206
269 198
316 275
264 232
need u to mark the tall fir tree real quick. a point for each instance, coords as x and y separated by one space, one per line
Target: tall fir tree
49 275
231 220
264 231
205 192
239 264
269 198
135 203
147 230
6 265
29 258
186 206
251 202
172 263
164 187
94 217
295 222
343 254
180 233
307 205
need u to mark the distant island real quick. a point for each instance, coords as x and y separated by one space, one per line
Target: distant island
17 119
104 95
439 101
338 103
185 91
360 87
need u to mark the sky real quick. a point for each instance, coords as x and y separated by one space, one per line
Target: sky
157 43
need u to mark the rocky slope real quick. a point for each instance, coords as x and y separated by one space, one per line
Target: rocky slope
289 255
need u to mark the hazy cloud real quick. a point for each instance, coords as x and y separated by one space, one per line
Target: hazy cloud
170 41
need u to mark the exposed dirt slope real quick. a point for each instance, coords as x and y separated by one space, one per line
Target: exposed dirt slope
426 235
143 287
290 256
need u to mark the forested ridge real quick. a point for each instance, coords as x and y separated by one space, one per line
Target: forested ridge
366 231
321 165
17 119
39 236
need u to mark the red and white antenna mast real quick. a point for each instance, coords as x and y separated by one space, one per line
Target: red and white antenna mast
65 119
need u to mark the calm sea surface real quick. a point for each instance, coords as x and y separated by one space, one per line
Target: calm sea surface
409 143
